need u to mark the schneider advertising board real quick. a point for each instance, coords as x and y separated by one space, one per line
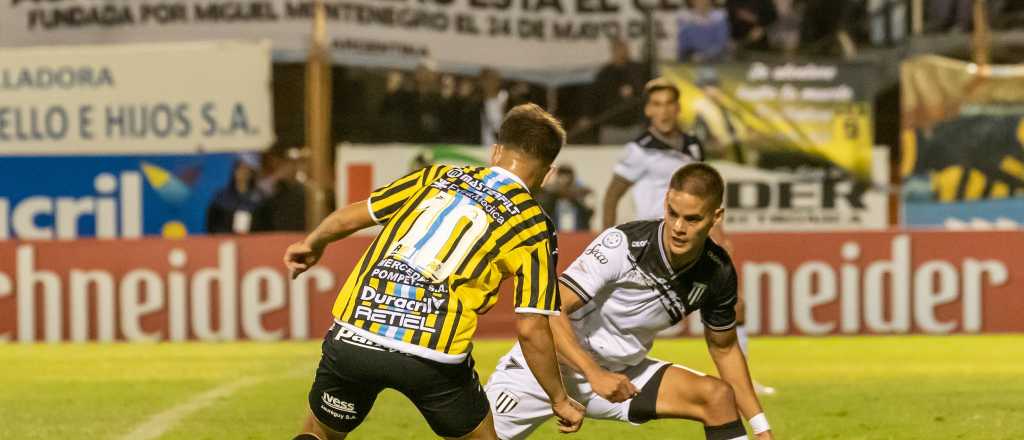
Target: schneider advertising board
228 288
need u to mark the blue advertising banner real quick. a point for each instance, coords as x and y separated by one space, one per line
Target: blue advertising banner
983 214
54 197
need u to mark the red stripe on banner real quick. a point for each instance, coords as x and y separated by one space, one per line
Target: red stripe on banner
360 181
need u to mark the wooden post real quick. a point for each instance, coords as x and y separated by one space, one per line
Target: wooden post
318 119
981 39
917 17
552 99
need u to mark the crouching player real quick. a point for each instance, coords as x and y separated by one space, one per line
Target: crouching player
634 280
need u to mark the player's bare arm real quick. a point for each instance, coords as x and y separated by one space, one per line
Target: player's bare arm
610 206
302 255
613 387
534 333
732 367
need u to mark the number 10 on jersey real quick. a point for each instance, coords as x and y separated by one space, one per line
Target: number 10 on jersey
445 230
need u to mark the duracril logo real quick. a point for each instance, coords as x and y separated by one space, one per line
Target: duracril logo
116 209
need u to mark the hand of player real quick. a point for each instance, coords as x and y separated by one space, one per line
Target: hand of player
299 257
767 435
569 414
613 387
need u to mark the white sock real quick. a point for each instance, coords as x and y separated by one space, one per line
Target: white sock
741 336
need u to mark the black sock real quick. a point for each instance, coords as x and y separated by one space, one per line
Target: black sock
306 436
727 431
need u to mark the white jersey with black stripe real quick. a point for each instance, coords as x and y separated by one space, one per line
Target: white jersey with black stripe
630 292
648 162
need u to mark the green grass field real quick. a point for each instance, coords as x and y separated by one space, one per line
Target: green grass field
957 387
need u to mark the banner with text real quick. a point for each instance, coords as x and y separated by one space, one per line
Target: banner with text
781 115
756 199
963 144
68 197
134 99
226 288
528 35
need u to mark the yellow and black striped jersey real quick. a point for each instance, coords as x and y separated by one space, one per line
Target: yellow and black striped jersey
450 235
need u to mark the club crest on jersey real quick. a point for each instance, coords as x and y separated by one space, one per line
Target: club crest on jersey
505 402
612 240
696 293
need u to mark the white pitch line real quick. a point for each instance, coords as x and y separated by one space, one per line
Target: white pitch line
160 423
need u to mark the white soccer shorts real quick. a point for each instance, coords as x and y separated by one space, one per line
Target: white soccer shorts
520 405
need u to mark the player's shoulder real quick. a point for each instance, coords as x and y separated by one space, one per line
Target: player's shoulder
430 173
718 260
636 235
644 141
638 229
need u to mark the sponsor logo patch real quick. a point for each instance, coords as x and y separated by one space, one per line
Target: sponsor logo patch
338 404
513 365
696 292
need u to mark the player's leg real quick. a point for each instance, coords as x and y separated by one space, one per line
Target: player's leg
678 392
312 429
518 403
344 388
449 396
483 431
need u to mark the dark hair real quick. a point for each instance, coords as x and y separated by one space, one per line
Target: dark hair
658 84
530 129
701 180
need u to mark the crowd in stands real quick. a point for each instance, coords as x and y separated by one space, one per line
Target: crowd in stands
428 106
264 193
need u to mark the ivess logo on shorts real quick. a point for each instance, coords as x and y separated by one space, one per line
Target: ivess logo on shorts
338 404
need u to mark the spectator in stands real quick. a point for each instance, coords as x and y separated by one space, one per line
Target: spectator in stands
493 106
827 26
784 34
397 110
522 93
449 103
428 103
232 208
613 103
749 21
284 207
943 15
469 111
703 33
564 200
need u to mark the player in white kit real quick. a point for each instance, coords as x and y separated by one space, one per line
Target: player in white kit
645 168
649 161
632 281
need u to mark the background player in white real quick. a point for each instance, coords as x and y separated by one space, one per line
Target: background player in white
632 281
646 166
649 161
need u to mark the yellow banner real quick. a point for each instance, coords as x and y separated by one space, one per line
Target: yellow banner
781 115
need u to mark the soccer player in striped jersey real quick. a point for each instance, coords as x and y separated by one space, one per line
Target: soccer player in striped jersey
405 317
634 280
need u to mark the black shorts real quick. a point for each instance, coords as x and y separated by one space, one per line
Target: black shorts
353 371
